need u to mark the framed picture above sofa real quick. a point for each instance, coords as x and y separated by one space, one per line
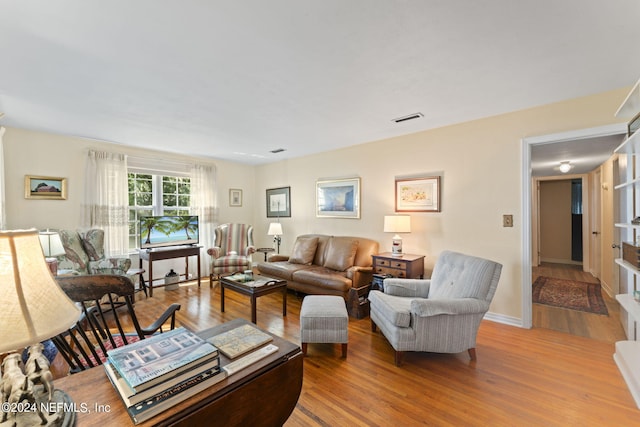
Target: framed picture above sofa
338 198
279 202
418 194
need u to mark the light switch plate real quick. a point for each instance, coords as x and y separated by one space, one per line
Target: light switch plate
507 220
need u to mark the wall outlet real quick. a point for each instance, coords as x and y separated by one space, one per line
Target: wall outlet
507 220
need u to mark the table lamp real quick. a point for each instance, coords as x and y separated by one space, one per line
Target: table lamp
275 229
397 224
52 247
33 308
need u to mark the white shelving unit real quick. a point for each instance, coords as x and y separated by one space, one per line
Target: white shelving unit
627 353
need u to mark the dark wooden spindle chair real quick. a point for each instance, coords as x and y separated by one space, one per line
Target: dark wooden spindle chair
107 305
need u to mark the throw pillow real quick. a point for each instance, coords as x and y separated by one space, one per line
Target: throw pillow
341 252
304 250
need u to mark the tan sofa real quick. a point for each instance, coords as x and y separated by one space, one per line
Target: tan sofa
324 265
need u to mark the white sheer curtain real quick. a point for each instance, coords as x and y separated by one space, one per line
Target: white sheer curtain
3 213
204 203
106 200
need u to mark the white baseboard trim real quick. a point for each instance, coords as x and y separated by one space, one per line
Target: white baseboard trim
501 318
605 286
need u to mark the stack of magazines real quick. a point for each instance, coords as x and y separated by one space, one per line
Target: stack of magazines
161 371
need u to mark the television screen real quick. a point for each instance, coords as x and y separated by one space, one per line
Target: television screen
157 231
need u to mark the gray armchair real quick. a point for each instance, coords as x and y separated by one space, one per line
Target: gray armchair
440 315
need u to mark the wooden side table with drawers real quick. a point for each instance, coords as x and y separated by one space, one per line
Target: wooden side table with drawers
407 266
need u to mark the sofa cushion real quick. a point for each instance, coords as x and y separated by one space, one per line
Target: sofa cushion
280 269
304 250
323 278
396 310
340 253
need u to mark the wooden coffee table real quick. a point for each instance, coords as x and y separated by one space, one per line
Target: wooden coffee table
254 287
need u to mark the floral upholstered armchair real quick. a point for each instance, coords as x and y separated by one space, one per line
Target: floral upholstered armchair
440 315
232 250
84 253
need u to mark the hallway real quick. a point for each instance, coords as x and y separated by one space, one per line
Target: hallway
598 327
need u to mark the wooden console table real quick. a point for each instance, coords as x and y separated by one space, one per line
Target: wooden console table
263 394
157 254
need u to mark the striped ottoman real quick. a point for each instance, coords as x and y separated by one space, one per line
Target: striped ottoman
324 319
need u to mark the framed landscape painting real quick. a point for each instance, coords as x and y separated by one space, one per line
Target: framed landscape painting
338 198
418 194
45 187
279 202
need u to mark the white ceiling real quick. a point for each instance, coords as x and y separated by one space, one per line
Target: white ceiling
584 155
236 79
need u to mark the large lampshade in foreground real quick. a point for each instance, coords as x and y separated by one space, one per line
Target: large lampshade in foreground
397 224
33 307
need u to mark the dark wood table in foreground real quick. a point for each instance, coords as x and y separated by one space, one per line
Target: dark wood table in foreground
254 289
263 394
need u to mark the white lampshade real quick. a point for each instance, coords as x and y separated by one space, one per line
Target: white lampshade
51 243
33 307
397 224
275 229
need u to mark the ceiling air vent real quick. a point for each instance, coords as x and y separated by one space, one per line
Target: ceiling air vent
409 117
277 150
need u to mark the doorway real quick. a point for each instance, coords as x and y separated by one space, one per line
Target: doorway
529 250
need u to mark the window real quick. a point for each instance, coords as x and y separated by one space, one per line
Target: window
155 195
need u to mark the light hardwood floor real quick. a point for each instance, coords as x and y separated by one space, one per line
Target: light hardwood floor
596 326
536 377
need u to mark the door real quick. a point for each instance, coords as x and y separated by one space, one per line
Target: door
595 222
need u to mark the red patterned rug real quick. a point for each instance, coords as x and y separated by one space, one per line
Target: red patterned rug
581 296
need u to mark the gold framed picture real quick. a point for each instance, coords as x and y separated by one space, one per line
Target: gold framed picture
45 187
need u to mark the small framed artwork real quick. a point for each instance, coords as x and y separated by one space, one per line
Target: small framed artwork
279 202
418 194
338 198
235 197
45 187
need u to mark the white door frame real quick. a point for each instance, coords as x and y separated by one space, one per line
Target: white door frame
527 194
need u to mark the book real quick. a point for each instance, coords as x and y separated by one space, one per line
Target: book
151 361
240 340
164 400
130 397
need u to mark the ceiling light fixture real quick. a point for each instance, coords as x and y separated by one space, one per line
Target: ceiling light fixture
409 117
565 167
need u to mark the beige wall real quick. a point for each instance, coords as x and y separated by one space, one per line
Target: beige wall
38 153
480 162
555 221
